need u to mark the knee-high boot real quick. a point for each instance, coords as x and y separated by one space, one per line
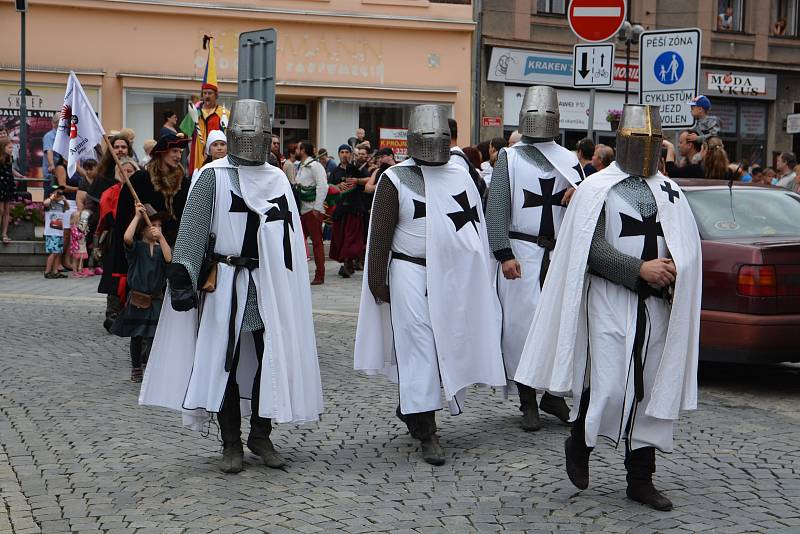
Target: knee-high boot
640 465
230 421
422 426
528 407
261 427
575 449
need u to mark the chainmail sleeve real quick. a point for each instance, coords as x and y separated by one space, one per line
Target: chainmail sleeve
195 226
385 213
610 263
498 210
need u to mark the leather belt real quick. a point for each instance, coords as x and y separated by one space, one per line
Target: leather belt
238 263
411 259
548 243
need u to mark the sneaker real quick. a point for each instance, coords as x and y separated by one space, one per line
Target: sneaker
87 272
98 271
59 275
49 275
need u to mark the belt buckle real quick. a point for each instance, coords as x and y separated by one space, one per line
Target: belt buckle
228 260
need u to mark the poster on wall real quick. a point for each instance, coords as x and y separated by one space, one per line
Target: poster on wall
41 102
394 138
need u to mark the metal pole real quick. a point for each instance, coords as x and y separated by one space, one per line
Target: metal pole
590 132
477 53
627 67
22 160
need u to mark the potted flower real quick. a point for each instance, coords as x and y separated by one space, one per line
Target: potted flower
26 216
613 117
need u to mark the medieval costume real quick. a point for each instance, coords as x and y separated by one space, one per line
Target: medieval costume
348 234
625 348
429 252
250 347
201 118
524 213
163 191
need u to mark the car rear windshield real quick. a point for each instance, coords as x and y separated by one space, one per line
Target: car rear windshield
748 212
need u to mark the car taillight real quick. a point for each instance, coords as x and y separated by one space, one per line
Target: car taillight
757 281
788 280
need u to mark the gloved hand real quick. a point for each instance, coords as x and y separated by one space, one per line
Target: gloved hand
381 293
182 293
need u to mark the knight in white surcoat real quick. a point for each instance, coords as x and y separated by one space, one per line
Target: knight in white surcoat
619 316
531 183
429 317
236 334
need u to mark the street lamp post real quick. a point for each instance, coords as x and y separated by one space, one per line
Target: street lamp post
628 34
22 162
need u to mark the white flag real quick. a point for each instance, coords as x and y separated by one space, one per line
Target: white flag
79 129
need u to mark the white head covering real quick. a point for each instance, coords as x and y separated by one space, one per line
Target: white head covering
215 135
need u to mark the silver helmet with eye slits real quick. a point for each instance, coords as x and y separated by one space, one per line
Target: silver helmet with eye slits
539 116
429 134
249 132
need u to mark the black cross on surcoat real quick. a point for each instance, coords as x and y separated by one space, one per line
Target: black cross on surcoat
546 201
280 212
673 194
419 209
647 227
468 213
250 241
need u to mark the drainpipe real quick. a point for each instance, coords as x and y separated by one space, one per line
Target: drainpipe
477 54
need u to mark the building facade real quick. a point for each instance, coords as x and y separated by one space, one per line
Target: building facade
749 68
341 64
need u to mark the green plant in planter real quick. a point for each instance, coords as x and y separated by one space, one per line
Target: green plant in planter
26 210
614 115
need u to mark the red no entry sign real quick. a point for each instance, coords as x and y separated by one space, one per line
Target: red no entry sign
596 20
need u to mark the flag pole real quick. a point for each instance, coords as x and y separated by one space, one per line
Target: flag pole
125 178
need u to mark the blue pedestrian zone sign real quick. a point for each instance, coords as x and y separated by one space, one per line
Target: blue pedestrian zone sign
668 67
669 71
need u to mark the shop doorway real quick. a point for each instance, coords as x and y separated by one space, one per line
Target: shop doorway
291 123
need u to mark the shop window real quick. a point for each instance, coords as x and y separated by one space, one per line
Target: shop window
785 15
551 7
743 128
730 16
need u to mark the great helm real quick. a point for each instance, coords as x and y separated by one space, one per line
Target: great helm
429 134
539 116
249 134
639 139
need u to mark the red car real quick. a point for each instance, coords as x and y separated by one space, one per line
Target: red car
751 271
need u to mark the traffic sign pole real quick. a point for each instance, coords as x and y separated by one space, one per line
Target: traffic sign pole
590 131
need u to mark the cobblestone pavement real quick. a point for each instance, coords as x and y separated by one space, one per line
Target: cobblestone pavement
78 455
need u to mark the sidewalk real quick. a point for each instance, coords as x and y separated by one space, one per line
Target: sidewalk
338 296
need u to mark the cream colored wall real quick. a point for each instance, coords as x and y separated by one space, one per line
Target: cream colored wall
376 49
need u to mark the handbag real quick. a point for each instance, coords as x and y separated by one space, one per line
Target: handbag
140 300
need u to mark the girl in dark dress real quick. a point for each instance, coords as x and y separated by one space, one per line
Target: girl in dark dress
7 185
147 253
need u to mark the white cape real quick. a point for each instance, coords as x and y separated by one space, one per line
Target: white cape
186 368
565 161
557 341
464 310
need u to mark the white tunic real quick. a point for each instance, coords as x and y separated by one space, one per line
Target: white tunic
535 198
187 361
443 320
610 372
584 326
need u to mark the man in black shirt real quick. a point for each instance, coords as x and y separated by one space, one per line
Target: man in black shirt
348 235
690 150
